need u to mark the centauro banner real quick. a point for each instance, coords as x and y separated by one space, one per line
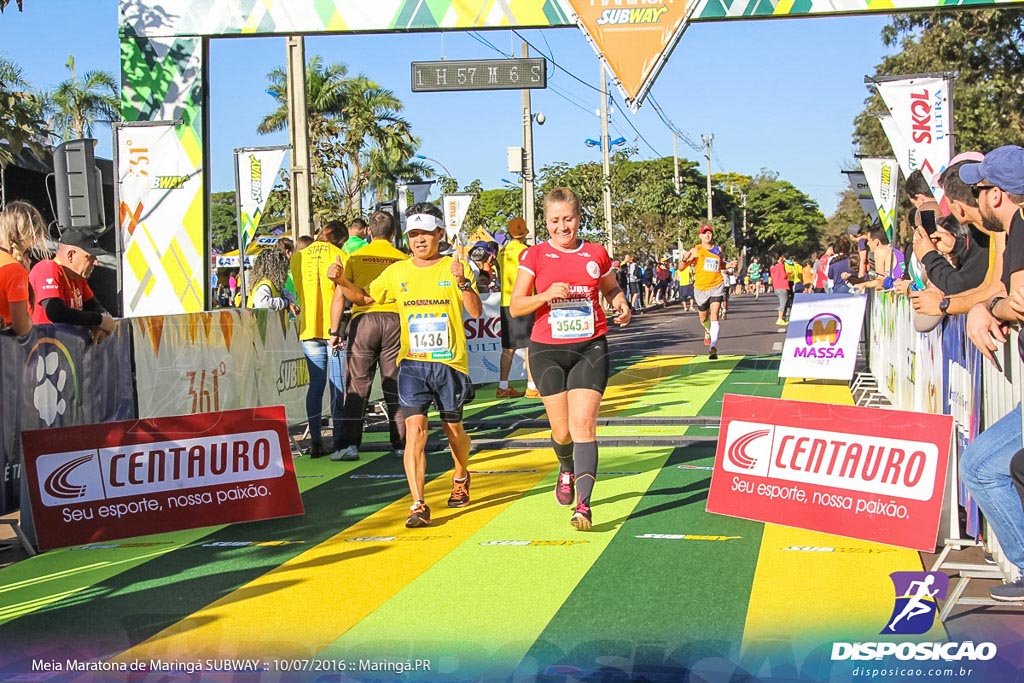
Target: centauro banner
634 41
868 473
880 172
162 265
116 480
859 185
255 172
921 109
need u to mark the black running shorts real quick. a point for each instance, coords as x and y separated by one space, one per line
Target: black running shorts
561 367
515 332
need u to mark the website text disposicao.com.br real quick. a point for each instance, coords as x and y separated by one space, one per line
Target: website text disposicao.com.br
914 660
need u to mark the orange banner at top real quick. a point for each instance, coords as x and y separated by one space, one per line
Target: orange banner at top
633 37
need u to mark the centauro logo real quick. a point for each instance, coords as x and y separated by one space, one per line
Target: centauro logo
292 374
169 182
867 463
640 15
141 469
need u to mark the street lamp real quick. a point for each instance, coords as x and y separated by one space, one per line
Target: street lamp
443 167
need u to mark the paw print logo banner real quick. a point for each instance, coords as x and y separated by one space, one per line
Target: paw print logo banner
59 379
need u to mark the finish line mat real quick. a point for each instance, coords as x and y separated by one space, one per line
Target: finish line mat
501 589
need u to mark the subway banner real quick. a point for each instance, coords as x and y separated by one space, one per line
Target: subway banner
633 42
117 480
900 149
822 336
162 263
255 172
921 108
881 176
867 473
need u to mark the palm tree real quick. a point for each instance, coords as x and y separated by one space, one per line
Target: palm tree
391 162
357 136
75 106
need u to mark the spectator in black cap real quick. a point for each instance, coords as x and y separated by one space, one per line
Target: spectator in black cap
61 287
998 183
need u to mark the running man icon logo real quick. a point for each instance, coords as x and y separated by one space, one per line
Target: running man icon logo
823 328
916 605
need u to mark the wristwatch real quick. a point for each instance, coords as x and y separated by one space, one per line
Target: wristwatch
943 304
466 286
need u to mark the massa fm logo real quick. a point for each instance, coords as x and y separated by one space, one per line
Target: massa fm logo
824 328
57 484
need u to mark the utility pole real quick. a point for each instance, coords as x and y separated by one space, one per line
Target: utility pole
707 155
606 161
529 211
675 161
298 134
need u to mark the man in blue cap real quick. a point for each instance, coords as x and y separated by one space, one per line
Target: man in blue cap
998 183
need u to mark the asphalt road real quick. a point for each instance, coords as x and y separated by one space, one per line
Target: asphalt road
749 329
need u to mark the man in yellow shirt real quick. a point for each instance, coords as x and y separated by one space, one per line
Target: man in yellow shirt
515 332
708 285
320 343
374 338
430 292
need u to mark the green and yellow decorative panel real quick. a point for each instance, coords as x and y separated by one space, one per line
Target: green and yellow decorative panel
161 221
233 17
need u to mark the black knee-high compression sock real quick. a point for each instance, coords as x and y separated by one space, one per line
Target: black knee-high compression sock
563 451
585 456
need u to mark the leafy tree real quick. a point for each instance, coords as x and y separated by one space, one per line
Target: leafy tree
75 106
21 123
492 209
983 49
223 221
781 218
847 212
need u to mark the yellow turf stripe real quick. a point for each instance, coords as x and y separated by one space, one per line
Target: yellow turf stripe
807 596
308 602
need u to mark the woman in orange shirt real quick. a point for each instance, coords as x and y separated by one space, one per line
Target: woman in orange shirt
22 234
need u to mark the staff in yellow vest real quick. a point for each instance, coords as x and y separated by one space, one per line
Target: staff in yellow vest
267 280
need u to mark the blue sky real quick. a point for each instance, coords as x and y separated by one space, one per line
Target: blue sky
776 94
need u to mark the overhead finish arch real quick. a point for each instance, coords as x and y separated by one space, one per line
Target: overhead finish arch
164 51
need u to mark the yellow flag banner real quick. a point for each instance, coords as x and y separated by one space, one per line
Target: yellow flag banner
635 40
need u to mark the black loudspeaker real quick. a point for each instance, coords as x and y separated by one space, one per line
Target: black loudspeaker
78 187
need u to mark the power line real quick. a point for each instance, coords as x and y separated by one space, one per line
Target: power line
575 77
671 126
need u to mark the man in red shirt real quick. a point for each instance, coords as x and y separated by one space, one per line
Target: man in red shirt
62 289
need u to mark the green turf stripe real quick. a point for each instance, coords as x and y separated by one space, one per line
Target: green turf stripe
698 602
57 575
490 601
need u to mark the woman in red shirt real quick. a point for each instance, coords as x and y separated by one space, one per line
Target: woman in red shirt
22 234
562 281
